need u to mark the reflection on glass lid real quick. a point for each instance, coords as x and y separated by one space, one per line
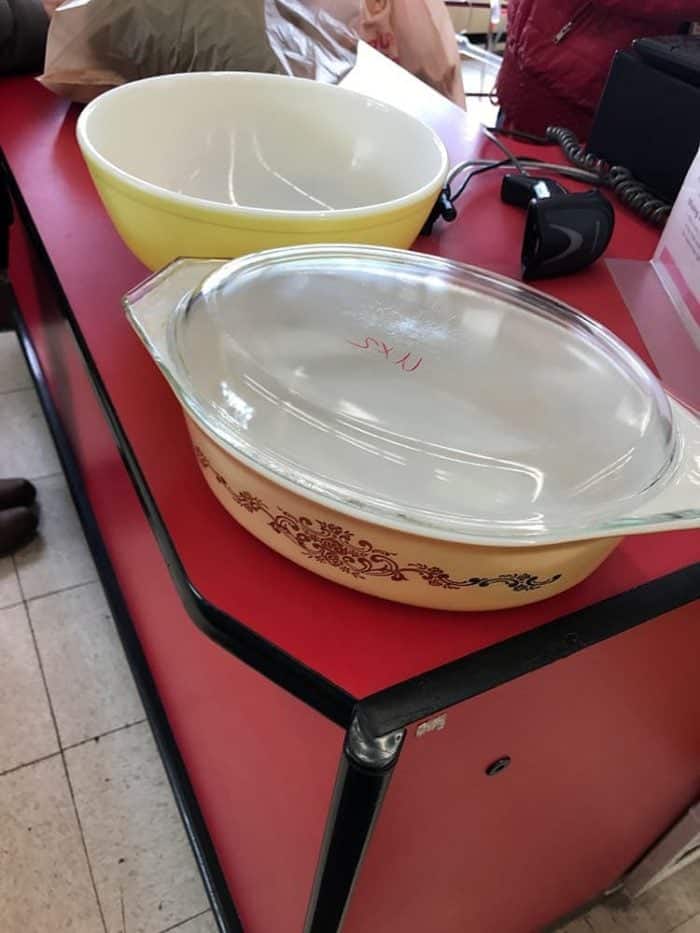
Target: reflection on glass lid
421 392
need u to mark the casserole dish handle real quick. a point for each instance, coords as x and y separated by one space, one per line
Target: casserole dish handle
677 504
151 304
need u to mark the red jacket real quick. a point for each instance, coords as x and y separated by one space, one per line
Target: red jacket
559 51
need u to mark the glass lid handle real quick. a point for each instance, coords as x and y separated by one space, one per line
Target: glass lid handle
151 304
677 504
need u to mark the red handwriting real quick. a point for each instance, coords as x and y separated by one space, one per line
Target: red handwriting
408 362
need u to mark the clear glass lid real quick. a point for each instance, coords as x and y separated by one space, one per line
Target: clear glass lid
420 393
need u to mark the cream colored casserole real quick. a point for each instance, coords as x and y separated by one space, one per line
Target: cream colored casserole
414 428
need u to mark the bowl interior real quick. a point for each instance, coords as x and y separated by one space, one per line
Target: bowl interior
263 141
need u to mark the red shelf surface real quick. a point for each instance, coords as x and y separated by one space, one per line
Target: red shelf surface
360 643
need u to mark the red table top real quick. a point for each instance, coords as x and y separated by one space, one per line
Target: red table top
360 643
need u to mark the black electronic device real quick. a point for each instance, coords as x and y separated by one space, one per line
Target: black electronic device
648 118
520 189
564 232
676 55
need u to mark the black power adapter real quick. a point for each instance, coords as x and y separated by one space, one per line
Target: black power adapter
564 232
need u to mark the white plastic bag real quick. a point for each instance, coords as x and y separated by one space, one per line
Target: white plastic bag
312 41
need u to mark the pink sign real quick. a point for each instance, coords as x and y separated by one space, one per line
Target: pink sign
677 258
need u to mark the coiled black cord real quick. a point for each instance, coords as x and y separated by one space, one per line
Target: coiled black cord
637 196
616 177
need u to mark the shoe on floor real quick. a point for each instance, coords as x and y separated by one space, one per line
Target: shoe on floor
17 528
15 493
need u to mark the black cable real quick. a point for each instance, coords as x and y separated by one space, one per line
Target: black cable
573 150
477 171
619 179
512 158
444 206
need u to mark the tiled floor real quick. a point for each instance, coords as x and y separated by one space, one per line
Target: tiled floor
671 907
90 839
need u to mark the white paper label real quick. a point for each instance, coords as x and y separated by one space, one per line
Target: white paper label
432 725
677 257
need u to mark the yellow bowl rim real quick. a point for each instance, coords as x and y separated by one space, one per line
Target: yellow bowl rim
198 205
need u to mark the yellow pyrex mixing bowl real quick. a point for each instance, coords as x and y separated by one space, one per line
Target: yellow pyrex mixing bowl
222 164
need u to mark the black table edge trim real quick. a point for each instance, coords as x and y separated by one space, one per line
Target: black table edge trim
442 687
358 795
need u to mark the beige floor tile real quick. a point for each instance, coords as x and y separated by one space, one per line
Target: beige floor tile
135 840
690 926
13 370
666 908
87 674
659 910
675 900
44 881
59 556
27 448
9 586
205 923
26 728
576 926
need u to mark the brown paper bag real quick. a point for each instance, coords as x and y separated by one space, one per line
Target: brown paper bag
94 45
71 68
